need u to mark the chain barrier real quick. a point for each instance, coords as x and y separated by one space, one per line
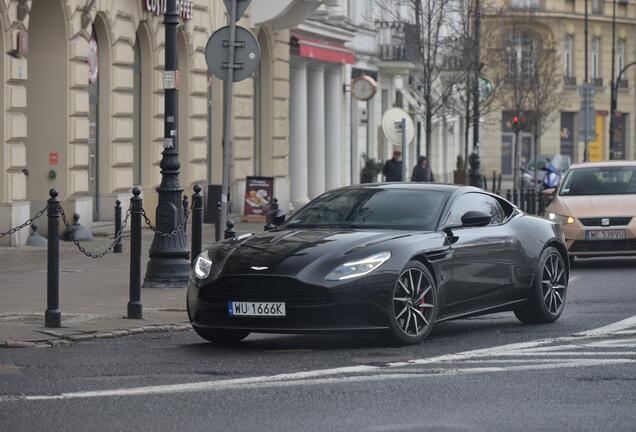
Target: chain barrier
172 233
25 224
82 249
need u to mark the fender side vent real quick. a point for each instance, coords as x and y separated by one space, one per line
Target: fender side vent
438 254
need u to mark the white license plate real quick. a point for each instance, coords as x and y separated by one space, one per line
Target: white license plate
259 309
605 235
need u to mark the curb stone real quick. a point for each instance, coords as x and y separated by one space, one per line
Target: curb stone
70 339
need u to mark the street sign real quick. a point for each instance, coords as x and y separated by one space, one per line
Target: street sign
392 126
241 6
247 53
587 113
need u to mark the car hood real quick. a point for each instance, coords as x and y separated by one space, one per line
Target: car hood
289 252
596 205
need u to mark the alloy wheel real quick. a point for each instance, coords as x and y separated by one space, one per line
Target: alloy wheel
413 304
554 283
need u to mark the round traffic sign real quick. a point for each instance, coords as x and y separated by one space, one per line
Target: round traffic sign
247 53
391 125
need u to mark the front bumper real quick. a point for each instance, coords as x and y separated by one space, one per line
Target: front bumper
580 247
358 305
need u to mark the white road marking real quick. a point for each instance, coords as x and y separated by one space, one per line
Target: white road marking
598 347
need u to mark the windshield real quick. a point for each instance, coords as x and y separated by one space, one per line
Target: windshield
558 161
600 181
543 161
409 209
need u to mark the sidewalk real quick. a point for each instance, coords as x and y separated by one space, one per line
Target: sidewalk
93 293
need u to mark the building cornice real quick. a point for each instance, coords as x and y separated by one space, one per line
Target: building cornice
317 28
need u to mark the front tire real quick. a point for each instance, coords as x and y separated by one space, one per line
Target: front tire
413 307
547 294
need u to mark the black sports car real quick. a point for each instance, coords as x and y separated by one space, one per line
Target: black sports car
394 258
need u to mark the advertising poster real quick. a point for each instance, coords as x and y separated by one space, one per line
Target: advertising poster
258 195
596 146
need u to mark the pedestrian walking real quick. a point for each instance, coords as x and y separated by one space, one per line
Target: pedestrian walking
393 168
422 171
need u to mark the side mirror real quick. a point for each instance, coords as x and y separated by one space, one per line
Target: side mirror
549 192
475 219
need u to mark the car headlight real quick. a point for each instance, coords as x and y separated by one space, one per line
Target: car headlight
560 219
202 265
358 268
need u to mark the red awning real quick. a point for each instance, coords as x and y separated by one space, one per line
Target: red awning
324 51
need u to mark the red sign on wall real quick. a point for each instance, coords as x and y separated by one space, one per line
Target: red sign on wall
53 158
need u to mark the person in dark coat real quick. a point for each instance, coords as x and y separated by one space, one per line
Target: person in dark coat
393 168
422 171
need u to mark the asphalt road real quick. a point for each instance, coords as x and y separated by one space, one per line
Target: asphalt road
489 373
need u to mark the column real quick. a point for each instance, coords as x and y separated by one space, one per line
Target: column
316 130
298 135
333 128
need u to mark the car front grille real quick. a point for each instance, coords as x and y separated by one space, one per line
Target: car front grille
614 221
603 246
265 289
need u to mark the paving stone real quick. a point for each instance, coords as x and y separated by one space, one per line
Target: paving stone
81 337
105 335
19 344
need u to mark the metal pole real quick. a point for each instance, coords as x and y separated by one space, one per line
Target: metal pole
404 147
134 302
475 175
118 246
587 65
228 96
197 223
612 86
169 264
52 315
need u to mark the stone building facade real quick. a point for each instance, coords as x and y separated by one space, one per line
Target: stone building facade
83 104
562 22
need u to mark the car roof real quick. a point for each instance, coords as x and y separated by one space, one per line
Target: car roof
442 187
603 164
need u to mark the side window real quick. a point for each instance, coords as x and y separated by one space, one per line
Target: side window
476 202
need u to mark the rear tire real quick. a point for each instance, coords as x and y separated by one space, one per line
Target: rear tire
547 294
413 307
222 337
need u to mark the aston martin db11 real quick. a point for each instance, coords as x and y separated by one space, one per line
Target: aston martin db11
393 258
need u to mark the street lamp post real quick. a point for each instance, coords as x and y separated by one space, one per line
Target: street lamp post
612 128
169 265
475 162
614 104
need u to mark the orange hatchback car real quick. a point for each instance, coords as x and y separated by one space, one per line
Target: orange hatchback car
595 204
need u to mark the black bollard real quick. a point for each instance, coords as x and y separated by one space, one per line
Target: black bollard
515 197
541 200
499 183
494 181
533 202
53 316
35 239
508 195
522 199
118 248
197 224
218 229
485 183
136 209
229 231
